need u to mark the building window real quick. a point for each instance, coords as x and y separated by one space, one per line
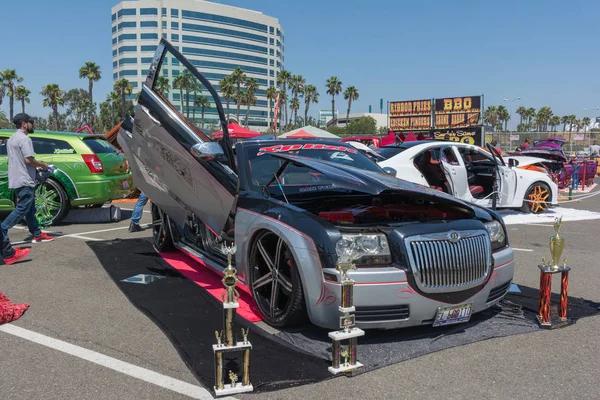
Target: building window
123 61
133 84
272 83
174 13
115 76
278 44
114 40
228 67
223 32
127 36
164 24
271 30
271 73
144 72
114 29
126 25
148 11
223 20
224 54
271 52
272 63
164 35
147 60
175 25
271 41
114 52
126 11
144 36
224 43
174 37
127 49
128 72
278 32
114 17
114 64
148 24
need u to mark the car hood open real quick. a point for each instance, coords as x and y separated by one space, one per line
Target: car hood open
359 180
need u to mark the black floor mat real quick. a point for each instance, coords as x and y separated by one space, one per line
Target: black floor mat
189 316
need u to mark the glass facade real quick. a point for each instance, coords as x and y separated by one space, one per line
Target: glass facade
223 32
223 20
127 36
148 24
223 54
145 36
224 43
122 25
148 11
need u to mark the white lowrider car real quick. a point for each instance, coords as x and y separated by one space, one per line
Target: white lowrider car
470 173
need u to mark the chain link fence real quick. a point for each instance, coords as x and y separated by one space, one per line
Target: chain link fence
576 141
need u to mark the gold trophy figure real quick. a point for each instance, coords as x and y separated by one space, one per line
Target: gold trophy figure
347 320
547 269
226 339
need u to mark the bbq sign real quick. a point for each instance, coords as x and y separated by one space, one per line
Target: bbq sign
457 112
410 115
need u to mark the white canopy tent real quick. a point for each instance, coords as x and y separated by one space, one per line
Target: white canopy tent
309 131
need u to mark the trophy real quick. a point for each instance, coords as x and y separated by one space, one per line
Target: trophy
547 269
347 321
226 339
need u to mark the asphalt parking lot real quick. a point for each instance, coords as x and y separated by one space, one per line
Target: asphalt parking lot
82 339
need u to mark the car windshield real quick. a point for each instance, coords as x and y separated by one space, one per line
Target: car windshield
389 152
263 166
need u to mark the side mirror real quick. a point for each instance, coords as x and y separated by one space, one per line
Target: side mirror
512 163
390 171
207 151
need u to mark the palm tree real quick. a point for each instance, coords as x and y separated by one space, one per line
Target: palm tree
350 94
490 116
543 118
196 89
334 87
2 89
239 77
227 91
294 106
179 83
203 103
9 77
297 85
311 95
283 79
162 85
250 95
585 122
91 71
272 97
53 98
22 95
554 122
123 87
564 120
522 111
530 114
188 84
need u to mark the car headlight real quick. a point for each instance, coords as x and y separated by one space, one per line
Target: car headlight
363 249
497 235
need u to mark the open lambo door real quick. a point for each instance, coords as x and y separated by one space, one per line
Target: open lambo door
171 155
456 173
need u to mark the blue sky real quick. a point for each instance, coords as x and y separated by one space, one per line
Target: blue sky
546 52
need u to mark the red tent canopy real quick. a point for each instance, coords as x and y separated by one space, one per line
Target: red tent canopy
411 137
301 134
235 132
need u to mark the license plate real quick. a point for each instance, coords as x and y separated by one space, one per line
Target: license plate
125 185
453 314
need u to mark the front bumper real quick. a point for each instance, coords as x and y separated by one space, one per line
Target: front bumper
384 299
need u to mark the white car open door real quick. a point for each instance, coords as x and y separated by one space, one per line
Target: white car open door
455 172
171 154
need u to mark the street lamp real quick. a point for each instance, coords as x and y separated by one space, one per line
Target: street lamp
510 115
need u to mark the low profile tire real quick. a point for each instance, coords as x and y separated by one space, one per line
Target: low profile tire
275 282
536 198
161 232
51 203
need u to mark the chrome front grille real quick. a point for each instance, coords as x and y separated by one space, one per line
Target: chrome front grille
450 261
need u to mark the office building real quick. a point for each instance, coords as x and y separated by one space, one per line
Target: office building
216 38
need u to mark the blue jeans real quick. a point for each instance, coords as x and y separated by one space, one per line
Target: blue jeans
138 209
25 209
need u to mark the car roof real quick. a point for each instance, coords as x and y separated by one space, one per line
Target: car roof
56 135
271 142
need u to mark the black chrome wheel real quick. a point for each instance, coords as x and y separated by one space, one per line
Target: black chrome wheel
275 282
161 232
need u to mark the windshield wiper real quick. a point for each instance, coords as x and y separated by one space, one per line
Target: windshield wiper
275 177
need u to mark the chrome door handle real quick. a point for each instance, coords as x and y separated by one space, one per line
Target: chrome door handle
152 118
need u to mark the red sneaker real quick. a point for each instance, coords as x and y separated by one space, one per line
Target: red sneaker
42 238
18 256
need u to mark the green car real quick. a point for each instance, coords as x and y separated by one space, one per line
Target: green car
90 172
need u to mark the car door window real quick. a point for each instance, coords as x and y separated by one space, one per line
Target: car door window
3 146
51 146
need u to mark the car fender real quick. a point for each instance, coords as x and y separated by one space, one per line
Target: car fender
526 178
67 183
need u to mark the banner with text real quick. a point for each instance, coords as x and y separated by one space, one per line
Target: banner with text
467 135
457 112
410 115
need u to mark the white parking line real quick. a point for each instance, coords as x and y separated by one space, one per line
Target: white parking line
518 249
146 375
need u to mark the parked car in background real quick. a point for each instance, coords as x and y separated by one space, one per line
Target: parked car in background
471 173
294 208
372 142
90 172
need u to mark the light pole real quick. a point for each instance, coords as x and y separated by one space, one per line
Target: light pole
589 128
510 117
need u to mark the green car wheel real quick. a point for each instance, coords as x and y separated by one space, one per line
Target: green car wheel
51 202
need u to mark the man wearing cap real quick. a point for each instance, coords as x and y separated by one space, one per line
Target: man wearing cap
21 178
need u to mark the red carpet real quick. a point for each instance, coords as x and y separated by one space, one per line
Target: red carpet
210 281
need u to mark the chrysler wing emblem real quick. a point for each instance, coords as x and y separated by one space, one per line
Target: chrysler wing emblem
454 237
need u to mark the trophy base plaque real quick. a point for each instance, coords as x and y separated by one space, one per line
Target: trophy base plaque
555 322
346 334
228 389
345 368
